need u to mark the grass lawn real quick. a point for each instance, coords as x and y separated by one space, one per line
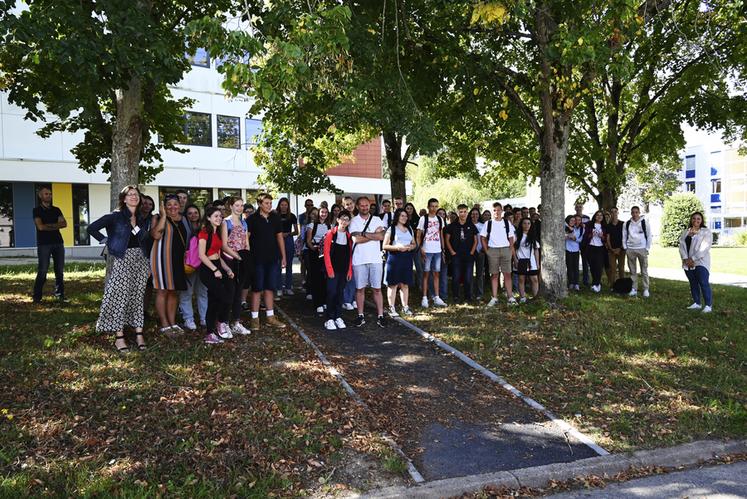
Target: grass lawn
258 416
725 260
632 373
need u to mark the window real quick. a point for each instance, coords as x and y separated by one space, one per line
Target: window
253 128
689 186
80 215
690 166
196 196
715 163
200 58
732 222
715 209
716 185
7 239
198 129
228 132
224 193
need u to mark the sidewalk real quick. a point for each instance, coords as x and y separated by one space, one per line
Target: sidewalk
721 481
716 278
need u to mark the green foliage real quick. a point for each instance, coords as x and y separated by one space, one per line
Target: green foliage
741 238
450 192
677 211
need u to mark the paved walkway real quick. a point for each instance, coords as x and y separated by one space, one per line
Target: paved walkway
726 481
716 278
448 419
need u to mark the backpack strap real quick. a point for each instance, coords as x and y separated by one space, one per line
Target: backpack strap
313 230
505 223
643 226
229 225
370 217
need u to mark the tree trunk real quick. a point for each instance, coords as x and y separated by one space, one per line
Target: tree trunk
607 198
397 165
552 184
127 138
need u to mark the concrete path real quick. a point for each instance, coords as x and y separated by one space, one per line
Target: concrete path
726 481
716 278
448 419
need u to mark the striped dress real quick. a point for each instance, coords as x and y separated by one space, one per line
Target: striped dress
167 258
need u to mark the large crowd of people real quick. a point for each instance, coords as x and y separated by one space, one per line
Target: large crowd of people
233 258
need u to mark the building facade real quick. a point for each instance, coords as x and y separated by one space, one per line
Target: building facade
717 174
219 163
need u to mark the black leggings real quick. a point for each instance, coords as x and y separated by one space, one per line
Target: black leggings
596 256
316 278
571 264
240 274
220 295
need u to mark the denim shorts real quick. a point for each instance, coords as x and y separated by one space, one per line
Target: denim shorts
368 274
432 262
266 276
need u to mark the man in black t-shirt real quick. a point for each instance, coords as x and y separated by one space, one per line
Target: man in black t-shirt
49 221
461 243
268 257
615 250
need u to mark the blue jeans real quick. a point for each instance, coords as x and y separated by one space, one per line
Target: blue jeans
418 268
43 253
698 278
348 294
335 291
461 266
194 286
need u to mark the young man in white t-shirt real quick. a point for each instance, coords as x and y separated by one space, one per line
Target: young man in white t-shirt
431 241
498 237
637 243
368 231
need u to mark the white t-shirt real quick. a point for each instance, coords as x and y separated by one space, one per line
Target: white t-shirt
370 251
497 237
596 238
479 226
525 252
321 230
431 236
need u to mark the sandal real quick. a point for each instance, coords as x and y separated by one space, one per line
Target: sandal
141 346
169 332
121 350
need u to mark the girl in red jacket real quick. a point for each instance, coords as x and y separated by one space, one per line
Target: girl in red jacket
338 264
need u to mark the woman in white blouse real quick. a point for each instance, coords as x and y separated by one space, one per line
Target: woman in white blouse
695 251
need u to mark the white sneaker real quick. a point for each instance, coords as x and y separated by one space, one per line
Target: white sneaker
223 331
406 311
288 292
424 302
694 306
512 301
340 323
354 305
279 293
646 293
633 292
437 301
320 310
347 306
330 325
707 309
577 287
493 302
597 288
393 312
523 299
309 297
239 329
190 324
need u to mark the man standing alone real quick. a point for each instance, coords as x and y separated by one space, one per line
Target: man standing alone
49 221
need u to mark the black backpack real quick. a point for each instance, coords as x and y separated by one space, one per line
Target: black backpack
623 286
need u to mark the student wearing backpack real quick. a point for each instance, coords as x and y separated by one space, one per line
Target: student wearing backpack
595 233
348 204
479 280
399 243
498 236
695 251
194 285
461 242
337 252
637 243
235 237
315 232
217 277
443 284
574 232
527 249
312 216
431 241
579 207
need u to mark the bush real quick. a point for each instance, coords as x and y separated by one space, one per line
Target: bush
677 211
741 238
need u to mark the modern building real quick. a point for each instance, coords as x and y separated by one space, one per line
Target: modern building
716 173
219 163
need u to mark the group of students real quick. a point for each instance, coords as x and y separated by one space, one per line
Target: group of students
231 258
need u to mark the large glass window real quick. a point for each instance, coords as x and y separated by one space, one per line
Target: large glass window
80 215
197 196
732 222
228 132
689 166
224 193
198 129
253 128
7 239
200 58
690 186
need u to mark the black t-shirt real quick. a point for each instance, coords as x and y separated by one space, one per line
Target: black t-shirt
263 237
49 215
616 234
287 221
461 237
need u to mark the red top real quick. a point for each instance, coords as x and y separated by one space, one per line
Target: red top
215 243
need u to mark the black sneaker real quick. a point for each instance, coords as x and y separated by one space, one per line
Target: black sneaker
359 321
381 321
